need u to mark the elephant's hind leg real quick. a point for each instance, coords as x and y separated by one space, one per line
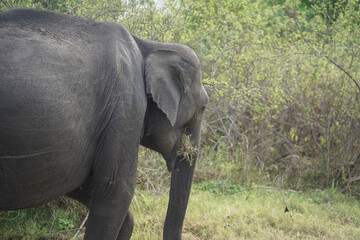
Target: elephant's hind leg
127 227
83 195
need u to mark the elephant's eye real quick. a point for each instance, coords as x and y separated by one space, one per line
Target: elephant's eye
201 110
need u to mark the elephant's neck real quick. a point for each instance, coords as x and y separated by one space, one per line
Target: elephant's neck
145 128
155 120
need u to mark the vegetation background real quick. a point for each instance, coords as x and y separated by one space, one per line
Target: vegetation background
283 78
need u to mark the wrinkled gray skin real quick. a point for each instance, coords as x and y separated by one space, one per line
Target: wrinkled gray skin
77 97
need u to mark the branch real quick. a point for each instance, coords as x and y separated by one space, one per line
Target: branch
81 227
342 69
6 3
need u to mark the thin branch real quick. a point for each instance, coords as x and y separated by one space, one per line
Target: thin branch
342 69
81 227
6 3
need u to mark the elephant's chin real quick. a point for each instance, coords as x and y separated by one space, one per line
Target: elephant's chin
170 162
170 158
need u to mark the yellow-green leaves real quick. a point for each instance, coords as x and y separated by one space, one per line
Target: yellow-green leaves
187 149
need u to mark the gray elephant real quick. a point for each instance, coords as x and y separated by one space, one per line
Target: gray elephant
77 98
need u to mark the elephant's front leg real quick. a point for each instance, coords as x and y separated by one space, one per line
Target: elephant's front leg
114 179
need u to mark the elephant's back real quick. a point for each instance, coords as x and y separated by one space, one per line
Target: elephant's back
47 106
54 21
46 71
45 83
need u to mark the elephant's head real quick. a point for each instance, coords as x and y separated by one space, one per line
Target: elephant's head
176 102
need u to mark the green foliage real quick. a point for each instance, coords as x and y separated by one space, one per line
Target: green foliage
281 95
65 223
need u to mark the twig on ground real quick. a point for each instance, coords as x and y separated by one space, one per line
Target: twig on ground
13 218
81 227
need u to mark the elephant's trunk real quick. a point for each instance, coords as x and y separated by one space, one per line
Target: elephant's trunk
181 181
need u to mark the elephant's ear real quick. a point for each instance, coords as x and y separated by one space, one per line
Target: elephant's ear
167 79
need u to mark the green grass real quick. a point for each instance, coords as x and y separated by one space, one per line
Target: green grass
257 214
213 213
55 220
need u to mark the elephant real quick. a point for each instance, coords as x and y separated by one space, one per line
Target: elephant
77 99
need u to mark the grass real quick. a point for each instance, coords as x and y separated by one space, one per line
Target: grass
213 213
258 214
55 220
